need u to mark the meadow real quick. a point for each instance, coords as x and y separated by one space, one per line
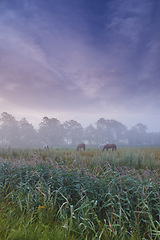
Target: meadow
85 195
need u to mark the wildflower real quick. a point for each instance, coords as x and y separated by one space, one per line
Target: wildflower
40 207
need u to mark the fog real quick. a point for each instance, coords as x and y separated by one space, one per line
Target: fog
22 134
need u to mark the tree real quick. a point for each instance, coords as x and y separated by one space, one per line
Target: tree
90 134
28 135
9 130
110 131
116 131
153 138
73 132
51 132
138 135
101 136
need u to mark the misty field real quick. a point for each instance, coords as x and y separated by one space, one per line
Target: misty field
64 194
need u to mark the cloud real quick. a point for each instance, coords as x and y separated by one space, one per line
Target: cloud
80 58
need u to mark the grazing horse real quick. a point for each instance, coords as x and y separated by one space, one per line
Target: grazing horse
80 146
108 146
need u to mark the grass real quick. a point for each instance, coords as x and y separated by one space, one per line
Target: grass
22 225
64 194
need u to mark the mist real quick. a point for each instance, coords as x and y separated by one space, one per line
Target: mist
22 134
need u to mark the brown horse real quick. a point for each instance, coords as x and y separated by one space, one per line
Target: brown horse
81 146
110 146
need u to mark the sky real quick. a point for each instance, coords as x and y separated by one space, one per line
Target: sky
81 60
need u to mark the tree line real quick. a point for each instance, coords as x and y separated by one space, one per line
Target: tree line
22 134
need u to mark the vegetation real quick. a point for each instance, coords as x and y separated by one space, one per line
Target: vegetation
64 194
51 131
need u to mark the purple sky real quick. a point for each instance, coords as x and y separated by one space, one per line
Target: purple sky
81 60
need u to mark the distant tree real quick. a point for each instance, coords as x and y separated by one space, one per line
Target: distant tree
116 132
102 134
153 138
51 132
9 130
140 128
73 132
111 131
90 135
28 135
138 135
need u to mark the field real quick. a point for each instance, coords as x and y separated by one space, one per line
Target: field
64 194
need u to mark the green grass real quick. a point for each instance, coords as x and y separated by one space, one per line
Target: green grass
21 225
64 194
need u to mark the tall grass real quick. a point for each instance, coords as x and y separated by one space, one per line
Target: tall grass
79 195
